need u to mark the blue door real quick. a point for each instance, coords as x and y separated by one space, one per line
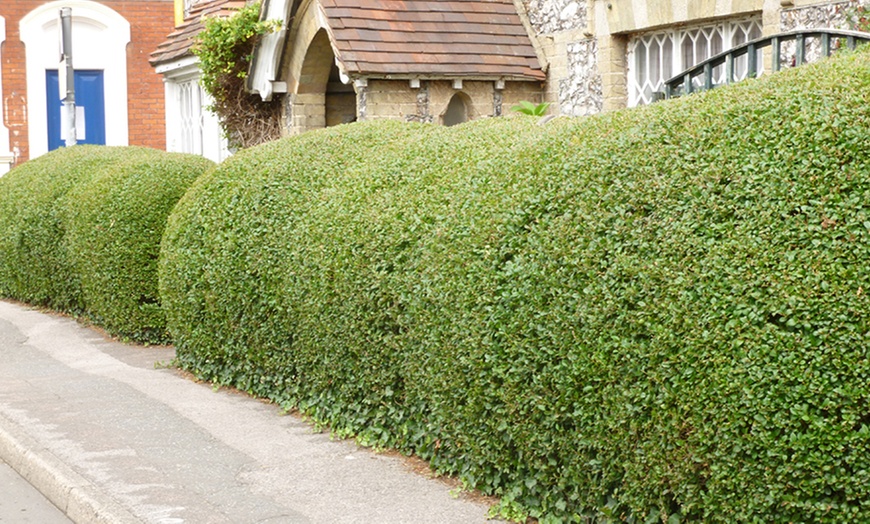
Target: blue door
90 103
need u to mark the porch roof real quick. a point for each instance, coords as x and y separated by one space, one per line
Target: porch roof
179 43
456 38
402 38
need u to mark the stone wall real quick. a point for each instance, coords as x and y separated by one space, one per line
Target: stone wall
832 15
396 99
515 92
562 29
585 41
580 92
551 16
387 99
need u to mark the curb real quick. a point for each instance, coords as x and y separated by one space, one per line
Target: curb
75 496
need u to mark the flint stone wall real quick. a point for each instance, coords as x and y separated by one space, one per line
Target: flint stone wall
575 81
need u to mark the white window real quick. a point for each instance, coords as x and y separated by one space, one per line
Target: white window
654 58
190 126
189 101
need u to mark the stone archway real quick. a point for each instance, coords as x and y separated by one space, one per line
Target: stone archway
321 98
309 102
457 111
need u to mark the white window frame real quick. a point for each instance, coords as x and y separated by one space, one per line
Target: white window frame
649 53
190 126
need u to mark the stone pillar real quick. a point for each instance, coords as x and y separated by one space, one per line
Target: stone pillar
305 111
565 37
612 65
361 86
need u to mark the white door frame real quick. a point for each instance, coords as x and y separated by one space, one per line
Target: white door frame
100 38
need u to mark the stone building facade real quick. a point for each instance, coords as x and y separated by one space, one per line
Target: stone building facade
339 61
608 54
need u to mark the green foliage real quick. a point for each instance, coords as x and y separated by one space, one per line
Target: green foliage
527 108
655 315
224 48
82 229
858 15
114 233
35 265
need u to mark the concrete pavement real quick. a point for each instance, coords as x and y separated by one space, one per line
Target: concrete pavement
108 438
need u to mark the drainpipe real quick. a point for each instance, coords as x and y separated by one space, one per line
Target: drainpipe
66 75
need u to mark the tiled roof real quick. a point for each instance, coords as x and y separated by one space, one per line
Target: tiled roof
456 38
423 38
179 42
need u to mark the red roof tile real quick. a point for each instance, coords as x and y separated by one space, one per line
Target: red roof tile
456 38
179 43
453 38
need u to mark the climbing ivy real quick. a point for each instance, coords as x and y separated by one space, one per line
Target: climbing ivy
224 48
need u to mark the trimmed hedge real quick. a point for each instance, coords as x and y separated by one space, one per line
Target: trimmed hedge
82 229
653 315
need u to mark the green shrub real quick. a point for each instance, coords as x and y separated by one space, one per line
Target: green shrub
82 229
35 265
226 256
654 315
114 229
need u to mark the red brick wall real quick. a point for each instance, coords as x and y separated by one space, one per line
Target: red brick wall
150 22
14 79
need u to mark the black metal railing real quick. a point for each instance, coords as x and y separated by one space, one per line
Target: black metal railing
701 77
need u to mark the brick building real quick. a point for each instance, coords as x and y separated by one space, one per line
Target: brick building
445 62
121 100
338 61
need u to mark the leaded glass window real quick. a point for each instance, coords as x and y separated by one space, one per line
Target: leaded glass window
655 57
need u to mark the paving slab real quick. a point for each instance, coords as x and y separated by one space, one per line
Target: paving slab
107 436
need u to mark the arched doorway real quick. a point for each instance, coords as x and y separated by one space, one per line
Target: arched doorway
321 98
100 38
457 110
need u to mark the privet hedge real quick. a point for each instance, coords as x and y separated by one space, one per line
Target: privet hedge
656 315
82 228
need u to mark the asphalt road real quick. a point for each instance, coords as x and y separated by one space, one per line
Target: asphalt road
20 503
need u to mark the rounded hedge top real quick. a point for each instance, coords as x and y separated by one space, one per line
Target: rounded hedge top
652 315
82 229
